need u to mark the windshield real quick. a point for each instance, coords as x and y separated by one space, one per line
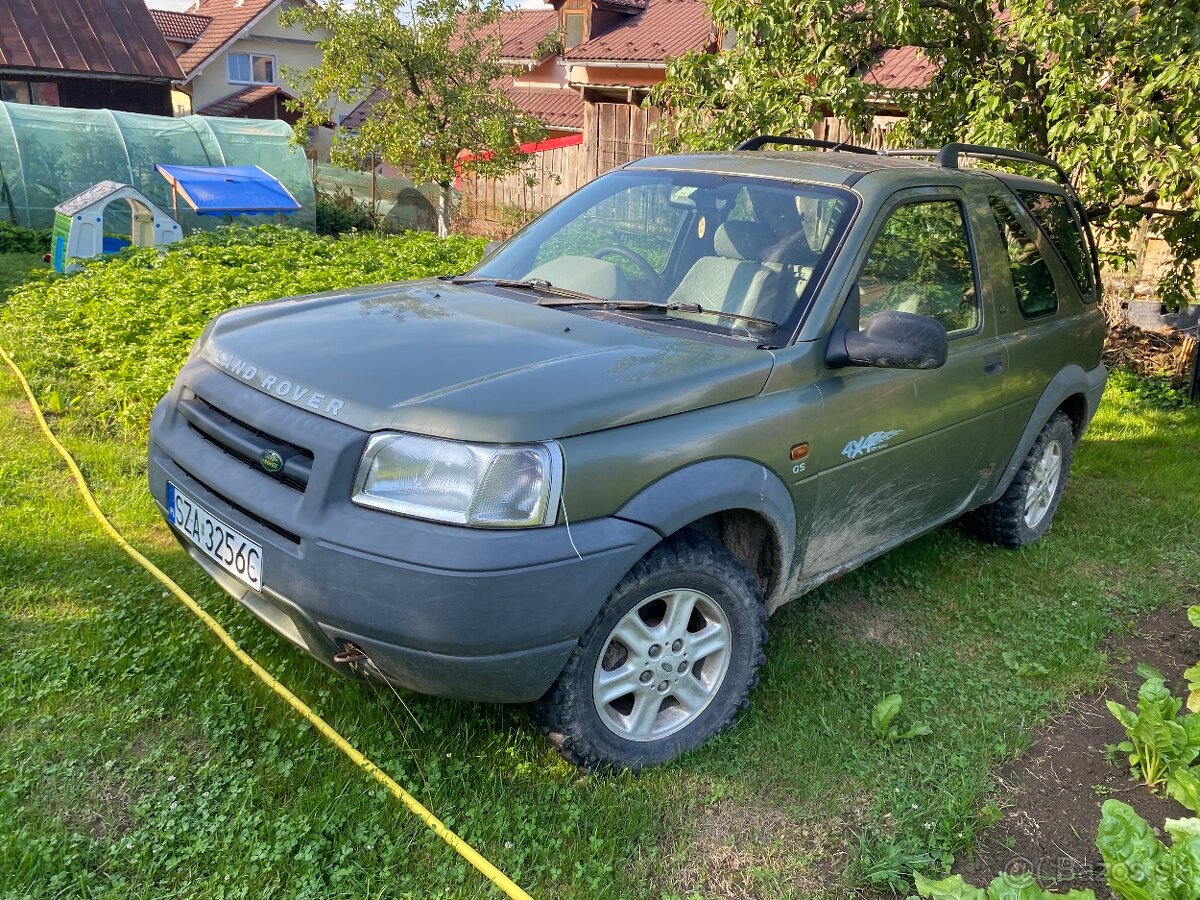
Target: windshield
712 251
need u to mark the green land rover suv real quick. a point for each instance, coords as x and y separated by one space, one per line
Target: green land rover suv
583 474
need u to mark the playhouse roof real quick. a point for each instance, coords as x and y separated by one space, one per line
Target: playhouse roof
105 192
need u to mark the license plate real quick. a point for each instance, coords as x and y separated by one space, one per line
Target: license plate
224 545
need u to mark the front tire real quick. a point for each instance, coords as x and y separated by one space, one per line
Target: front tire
1024 513
668 662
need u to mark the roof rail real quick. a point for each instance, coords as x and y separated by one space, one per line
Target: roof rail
757 143
947 157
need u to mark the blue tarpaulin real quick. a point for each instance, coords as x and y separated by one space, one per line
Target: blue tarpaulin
229 190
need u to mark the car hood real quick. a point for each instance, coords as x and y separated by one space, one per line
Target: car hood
473 363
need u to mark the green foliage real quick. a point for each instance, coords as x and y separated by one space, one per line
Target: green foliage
1155 391
1111 90
1138 865
884 863
881 721
338 211
1160 746
1192 674
17 239
1003 887
430 67
113 334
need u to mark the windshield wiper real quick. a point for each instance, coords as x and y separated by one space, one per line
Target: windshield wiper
530 284
662 307
579 298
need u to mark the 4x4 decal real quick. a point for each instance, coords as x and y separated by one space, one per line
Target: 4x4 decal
869 443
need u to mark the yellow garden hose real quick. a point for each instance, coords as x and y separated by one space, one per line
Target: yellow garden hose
461 847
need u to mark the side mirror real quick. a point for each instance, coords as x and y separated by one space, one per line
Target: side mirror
891 340
898 340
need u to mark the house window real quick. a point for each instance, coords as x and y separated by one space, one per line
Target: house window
39 93
574 24
251 68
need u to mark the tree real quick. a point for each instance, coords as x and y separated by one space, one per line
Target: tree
432 69
1110 90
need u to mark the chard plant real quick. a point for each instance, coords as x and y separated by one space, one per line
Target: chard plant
1193 674
1162 745
882 715
1137 865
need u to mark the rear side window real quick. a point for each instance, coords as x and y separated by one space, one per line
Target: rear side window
1054 215
1032 281
921 263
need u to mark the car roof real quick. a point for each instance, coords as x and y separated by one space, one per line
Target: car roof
832 167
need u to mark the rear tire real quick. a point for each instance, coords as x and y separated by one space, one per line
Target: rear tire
1024 513
668 662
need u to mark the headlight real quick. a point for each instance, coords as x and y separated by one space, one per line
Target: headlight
486 485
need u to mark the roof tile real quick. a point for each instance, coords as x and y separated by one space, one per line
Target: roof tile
666 28
557 107
232 104
901 67
228 18
180 26
523 30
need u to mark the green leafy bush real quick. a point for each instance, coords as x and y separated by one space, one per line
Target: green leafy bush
339 212
1162 745
114 333
1137 865
15 239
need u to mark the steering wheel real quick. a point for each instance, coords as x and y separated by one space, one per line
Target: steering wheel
638 260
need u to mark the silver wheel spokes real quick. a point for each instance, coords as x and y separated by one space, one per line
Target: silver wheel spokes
661 665
1042 485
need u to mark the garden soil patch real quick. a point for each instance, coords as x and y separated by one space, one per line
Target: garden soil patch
1051 794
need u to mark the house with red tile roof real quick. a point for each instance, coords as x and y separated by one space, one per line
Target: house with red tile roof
89 54
615 51
233 53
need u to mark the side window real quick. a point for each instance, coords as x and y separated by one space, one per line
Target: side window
1032 281
1054 216
921 263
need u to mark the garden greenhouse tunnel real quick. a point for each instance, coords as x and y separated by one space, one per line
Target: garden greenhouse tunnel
49 154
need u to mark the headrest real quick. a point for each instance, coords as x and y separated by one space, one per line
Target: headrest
743 240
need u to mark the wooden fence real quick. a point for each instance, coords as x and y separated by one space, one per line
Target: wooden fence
613 134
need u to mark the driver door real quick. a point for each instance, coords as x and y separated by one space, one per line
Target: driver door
906 447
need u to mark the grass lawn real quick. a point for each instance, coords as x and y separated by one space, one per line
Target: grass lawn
14 268
137 759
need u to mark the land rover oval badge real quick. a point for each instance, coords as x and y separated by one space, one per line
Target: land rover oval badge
271 461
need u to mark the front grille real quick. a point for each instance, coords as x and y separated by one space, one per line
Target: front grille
253 517
246 444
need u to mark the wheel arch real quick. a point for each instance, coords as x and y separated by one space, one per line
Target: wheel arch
1068 392
738 503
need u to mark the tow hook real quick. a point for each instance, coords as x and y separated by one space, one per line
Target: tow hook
350 654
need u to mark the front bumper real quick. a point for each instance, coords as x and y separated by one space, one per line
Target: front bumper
441 609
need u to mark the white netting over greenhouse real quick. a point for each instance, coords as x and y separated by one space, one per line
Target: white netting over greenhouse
48 154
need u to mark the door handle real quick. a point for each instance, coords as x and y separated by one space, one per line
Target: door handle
993 363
